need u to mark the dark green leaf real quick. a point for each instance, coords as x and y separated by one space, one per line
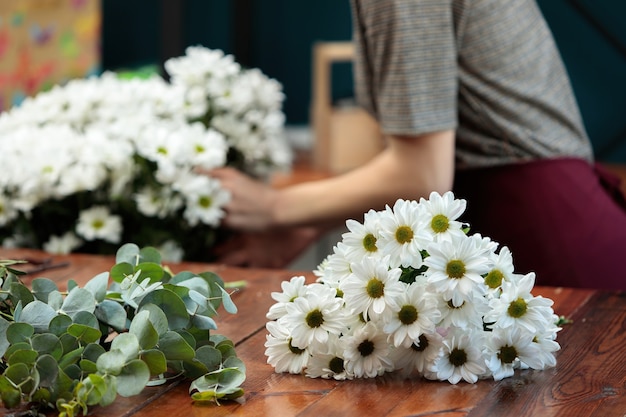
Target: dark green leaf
19 332
59 324
171 304
153 272
11 396
48 369
42 287
155 359
150 254
47 343
83 333
175 347
121 271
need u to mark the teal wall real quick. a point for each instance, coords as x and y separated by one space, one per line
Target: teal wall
277 36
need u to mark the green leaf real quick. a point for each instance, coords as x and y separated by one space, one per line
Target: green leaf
129 253
88 367
121 271
111 390
24 356
227 302
42 287
11 396
127 344
38 314
111 362
91 389
19 332
4 342
47 343
59 325
93 351
153 272
155 359
142 327
157 317
71 358
133 379
150 254
86 318
48 368
203 322
79 299
98 286
20 292
83 333
171 304
112 314
175 347
55 300
224 383
210 357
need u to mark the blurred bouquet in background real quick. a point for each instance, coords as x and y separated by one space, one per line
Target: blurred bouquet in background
410 290
111 159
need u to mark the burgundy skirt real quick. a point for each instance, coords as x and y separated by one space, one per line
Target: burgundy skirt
563 219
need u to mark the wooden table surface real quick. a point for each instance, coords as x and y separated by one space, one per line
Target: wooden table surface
589 379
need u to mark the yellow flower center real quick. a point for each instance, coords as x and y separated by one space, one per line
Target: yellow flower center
455 269
407 314
375 288
494 278
404 234
369 243
440 223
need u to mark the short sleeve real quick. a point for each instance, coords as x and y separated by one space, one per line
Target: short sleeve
406 65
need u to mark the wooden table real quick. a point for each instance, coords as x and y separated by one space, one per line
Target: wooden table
589 379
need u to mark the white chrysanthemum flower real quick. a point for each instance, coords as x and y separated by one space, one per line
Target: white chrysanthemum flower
7 211
281 354
461 356
455 268
469 314
420 356
372 289
415 314
546 343
157 203
402 234
361 239
329 363
441 213
314 316
506 347
336 267
501 271
98 223
366 352
291 290
518 307
205 199
62 244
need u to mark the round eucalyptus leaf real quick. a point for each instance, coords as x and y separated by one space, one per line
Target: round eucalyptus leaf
127 344
86 318
142 327
20 292
93 351
150 254
47 343
38 314
129 253
55 300
227 302
11 396
17 373
111 390
25 356
84 333
153 272
111 362
59 324
133 379
19 332
88 366
121 271
79 299
112 314
171 304
4 342
42 287
157 317
98 286
175 347
91 389
48 369
235 362
210 357
155 359
203 322
71 358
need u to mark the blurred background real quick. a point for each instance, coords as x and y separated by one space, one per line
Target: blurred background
47 41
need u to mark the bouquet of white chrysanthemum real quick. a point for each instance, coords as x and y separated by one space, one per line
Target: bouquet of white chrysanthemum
112 159
409 289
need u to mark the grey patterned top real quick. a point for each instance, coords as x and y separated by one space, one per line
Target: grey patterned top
488 68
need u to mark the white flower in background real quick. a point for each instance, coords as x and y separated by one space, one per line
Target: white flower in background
281 354
442 214
366 352
204 199
7 211
455 266
62 244
157 203
98 223
336 267
461 356
402 234
373 289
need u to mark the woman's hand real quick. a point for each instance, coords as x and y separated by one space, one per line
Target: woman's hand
251 207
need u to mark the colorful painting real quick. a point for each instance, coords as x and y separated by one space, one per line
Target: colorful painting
46 42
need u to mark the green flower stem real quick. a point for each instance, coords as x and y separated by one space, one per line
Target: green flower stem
236 284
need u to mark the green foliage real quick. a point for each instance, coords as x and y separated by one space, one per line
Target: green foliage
77 349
